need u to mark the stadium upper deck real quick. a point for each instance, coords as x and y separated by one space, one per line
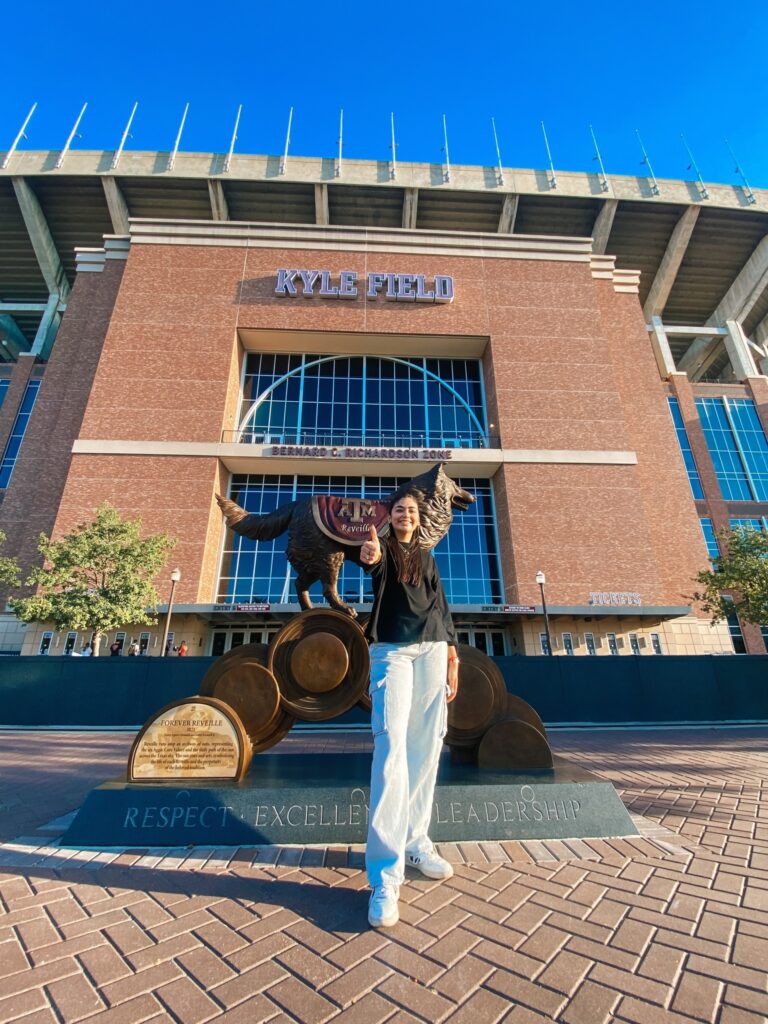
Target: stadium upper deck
703 260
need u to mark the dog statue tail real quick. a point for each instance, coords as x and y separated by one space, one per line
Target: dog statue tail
256 527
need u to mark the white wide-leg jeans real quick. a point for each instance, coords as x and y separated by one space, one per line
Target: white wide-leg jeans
409 718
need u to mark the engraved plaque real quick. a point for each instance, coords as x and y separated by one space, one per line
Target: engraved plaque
195 738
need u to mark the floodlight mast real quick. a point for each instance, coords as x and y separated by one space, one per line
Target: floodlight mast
172 157
71 136
603 176
393 172
748 193
500 175
655 190
693 165
18 138
284 161
553 176
447 171
228 161
126 135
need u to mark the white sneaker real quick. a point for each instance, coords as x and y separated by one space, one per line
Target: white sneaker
430 864
382 907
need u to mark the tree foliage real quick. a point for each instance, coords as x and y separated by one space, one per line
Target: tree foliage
738 580
9 568
98 577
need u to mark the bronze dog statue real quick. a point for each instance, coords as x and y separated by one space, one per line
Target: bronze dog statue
323 531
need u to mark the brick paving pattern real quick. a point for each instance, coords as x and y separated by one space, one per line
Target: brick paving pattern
670 926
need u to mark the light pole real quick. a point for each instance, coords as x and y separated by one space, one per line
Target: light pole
541 579
175 577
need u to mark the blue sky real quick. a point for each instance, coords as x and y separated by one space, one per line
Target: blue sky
660 68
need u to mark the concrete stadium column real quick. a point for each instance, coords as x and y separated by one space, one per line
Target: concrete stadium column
12 338
670 263
508 214
42 241
758 388
322 214
661 350
747 289
410 207
219 205
118 208
742 362
602 228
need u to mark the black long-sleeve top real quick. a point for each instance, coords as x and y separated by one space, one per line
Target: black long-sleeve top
403 613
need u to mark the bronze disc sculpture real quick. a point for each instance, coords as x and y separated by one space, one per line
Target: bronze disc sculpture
321 662
259 652
512 744
245 684
480 701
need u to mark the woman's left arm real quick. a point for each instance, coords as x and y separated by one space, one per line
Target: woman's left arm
453 672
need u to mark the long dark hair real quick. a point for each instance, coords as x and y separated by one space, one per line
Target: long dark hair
407 558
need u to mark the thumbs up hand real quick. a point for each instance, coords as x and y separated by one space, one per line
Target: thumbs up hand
370 552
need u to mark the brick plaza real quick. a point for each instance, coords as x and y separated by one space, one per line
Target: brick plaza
671 926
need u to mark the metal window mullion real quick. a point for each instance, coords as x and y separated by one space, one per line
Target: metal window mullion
426 401
287 584
481 381
739 448
300 417
494 523
363 424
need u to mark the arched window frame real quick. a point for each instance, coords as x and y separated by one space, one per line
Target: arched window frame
300 371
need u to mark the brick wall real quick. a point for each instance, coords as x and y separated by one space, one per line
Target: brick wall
568 366
43 466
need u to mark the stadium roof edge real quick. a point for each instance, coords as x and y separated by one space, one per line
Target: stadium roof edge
379 174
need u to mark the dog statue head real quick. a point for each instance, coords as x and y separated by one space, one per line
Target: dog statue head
437 497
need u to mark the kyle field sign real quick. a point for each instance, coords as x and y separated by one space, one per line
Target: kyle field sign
345 285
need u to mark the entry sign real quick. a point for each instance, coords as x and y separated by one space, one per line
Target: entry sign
514 609
395 287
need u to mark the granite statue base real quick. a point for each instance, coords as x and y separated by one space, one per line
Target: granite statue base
289 799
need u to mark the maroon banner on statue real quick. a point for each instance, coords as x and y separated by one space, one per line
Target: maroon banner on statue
349 520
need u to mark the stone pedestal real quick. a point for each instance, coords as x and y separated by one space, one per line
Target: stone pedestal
300 799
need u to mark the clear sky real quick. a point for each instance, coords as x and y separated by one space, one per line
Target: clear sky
663 68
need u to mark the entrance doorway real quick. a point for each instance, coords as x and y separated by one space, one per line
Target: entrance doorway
489 641
228 637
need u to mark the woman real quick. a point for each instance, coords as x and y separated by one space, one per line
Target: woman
414 672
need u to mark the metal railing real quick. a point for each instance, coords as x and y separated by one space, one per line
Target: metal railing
355 439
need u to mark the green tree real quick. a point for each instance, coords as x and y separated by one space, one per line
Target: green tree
96 578
738 580
9 568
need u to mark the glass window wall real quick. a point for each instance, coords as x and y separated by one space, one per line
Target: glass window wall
11 452
738 446
363 400
713 550
685 447
258 571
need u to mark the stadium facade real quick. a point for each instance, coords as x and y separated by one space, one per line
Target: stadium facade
587 355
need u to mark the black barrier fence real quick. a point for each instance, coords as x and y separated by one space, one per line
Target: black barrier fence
98 692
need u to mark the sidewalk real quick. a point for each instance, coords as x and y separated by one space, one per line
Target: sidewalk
669 926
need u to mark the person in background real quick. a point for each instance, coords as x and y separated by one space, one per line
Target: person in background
183 649
133 650
87 651
115 649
